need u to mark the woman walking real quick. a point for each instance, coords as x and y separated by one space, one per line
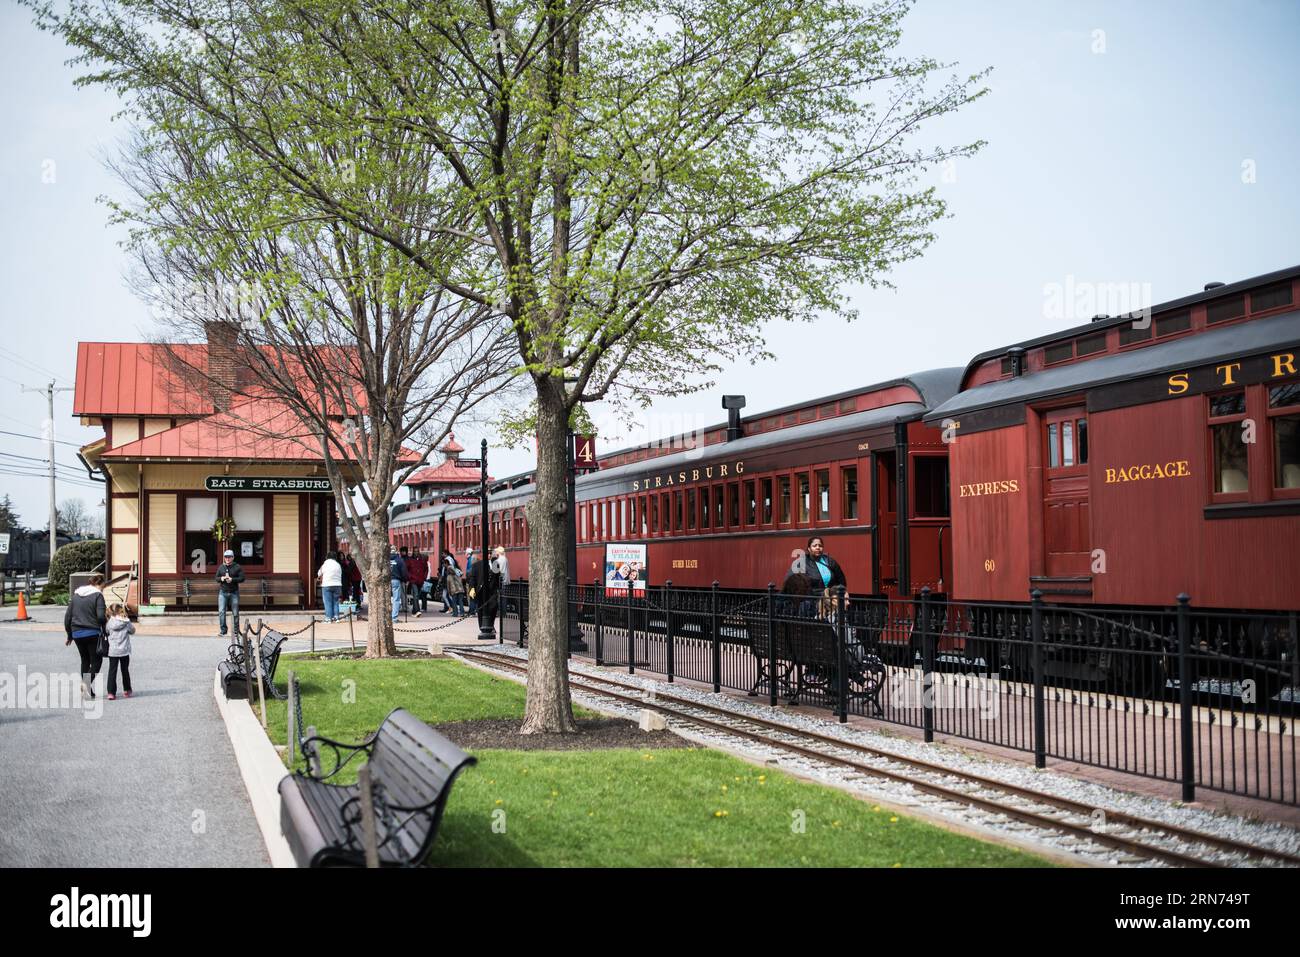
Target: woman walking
330 576
84 622
120 631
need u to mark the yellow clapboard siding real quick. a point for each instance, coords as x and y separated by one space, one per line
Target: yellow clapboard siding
154 426
284 541
125 430
126 513
162 532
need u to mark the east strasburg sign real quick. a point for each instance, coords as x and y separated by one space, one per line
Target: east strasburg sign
234 483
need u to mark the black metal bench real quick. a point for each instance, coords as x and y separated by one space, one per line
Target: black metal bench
237 668
411 769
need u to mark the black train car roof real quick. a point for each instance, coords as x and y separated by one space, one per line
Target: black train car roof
1230 342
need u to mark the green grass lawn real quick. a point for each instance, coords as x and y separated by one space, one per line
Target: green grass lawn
644 808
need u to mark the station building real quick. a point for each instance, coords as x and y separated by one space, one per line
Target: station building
189 475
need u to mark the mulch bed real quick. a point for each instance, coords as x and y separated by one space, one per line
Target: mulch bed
595 734
340 654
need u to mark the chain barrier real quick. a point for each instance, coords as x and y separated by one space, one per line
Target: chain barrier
408 631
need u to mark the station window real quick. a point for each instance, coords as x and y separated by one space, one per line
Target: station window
823 495
249 544
767 501
1284 413
783 498
932 485
804 495
849 478
1227 439
200 516
751 504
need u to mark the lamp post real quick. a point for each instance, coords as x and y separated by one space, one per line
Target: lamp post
576 642
485 630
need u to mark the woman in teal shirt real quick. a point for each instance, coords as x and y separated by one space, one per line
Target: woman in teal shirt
823 571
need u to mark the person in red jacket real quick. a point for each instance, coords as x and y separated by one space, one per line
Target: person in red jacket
417 568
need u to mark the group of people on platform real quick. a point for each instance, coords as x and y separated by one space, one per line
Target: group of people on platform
415 581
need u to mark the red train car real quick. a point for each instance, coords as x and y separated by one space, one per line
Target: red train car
860 469
1127 461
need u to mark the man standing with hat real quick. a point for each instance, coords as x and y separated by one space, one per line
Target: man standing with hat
229 575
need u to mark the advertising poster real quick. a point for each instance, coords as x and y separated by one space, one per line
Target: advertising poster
625 567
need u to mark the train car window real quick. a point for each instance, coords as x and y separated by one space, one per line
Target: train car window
849 478
1090 345
586 510
931 473
766 485
1006 365
783 497
823 495
1058 353
827 411
1231 458
719 515
1067 444
1176 322
654 514
1284 412
804 494
751 504
848 405
706 513
788 421
1053 446
733 504
1134 333
1233 308
690 509
677 511
807 415
1271 297
1081 441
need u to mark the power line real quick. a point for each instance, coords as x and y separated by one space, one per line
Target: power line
32 366
24 435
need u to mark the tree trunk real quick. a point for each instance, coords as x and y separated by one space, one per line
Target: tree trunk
548 708
379 630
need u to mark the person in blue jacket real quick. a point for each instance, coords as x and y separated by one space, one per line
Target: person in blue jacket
398 578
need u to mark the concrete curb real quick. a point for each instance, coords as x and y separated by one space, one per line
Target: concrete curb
261 768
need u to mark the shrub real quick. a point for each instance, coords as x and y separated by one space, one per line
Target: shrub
73 557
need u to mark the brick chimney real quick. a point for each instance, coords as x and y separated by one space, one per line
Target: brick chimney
221 361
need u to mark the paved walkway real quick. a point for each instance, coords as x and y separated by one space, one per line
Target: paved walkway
150 781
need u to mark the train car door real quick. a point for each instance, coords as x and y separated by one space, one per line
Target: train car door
1066 530
886 504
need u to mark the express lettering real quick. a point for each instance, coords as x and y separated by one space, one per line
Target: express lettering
990 488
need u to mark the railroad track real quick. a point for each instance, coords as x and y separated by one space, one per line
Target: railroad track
1138 839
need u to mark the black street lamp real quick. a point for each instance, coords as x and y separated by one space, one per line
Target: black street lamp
576 642
485 631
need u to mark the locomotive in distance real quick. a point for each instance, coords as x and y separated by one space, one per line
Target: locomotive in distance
1054 445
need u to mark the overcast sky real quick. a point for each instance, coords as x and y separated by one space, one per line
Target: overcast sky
1148 147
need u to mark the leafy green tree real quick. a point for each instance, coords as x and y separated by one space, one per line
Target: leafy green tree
635 187
9 520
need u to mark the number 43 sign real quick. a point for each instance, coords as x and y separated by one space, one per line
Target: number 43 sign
584 452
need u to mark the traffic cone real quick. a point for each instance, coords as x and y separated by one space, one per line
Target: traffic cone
22 607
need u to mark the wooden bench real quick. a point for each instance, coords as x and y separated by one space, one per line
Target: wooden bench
235 670
411 769
185 591
281 587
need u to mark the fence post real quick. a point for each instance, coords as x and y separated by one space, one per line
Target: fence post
313 634
927 665
841 656
600 638
771 644
1040 716
631 634
293 700
668 627
717 639
1185 698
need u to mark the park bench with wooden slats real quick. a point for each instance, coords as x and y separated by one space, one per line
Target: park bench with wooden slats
411 769
237 667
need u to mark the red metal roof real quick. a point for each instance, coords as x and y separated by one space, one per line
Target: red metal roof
447 471
256 430
132 378
451 446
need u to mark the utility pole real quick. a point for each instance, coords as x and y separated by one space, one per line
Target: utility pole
49 429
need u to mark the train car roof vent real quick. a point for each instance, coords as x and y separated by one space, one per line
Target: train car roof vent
1017 356
733 404
1100 316
1212 285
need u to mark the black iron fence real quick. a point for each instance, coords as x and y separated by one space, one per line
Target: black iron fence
1201 697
